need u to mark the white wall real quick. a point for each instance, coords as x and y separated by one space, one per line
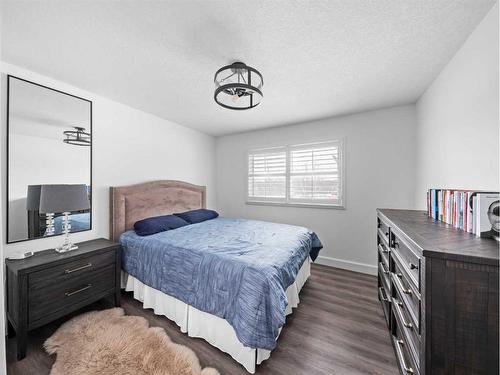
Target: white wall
457 126
130 146
380 172
3 361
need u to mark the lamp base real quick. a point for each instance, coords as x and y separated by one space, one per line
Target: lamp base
65 249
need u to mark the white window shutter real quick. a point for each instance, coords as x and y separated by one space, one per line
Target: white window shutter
316 173
306 174
267 175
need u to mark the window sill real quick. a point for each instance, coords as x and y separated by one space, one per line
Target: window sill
304 205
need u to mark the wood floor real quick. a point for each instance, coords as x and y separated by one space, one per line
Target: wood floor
338 328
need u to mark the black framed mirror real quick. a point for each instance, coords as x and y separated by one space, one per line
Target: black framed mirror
49 161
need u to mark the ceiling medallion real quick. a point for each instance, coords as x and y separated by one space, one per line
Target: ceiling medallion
238 86
77 137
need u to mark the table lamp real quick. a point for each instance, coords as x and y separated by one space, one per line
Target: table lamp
64 199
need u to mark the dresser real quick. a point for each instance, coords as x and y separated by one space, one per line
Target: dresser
439 288
49 285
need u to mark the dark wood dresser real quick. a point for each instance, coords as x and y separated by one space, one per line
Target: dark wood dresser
49 285
439 291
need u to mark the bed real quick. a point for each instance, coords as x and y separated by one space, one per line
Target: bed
229 281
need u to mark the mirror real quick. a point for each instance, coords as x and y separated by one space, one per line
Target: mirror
49 161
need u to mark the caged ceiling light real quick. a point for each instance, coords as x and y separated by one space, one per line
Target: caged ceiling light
238 86
77 137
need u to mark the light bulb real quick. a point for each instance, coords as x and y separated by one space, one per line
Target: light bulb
235 98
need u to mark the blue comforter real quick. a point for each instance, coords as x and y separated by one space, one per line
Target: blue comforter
233 268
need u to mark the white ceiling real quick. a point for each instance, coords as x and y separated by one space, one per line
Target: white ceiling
318 58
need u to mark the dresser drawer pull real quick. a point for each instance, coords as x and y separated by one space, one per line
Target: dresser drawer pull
383 249
382 268
69 294
408 325
399 306
407 369
381 293
78 268
413 266
405 291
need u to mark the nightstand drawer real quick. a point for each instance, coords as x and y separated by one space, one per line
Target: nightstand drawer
49 300
70 270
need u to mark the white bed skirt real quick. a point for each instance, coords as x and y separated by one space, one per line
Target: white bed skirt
217 331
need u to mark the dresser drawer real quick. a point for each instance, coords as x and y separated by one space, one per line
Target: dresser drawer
384 275
410 261
66 271
383 251
407 294
386 304
407 326
383 231
403 355
55 297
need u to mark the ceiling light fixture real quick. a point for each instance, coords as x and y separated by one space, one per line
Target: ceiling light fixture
238 86
77 137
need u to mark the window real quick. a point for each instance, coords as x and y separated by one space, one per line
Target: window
267 175
307 174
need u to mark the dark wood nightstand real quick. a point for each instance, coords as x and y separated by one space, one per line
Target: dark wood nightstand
50 285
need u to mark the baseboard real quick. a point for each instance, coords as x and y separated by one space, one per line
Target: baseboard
347 265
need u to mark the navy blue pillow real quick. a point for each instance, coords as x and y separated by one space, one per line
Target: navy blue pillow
157 224
197 216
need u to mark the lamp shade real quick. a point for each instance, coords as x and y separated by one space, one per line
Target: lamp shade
63 198
33 198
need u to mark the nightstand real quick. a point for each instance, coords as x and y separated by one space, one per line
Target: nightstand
49 285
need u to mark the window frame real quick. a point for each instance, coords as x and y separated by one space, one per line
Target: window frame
287 201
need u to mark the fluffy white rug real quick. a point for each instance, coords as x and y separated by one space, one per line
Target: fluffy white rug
109 343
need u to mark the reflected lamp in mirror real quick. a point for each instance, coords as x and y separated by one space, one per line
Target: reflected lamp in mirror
77 137
63 199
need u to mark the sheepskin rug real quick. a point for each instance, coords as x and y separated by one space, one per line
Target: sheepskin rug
109 343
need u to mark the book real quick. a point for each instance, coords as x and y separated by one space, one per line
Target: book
462 209
487 215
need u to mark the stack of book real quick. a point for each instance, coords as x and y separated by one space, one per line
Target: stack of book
472 211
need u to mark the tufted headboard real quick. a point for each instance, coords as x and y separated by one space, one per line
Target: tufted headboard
135 202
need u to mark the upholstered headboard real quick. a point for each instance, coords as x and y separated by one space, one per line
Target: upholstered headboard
135 202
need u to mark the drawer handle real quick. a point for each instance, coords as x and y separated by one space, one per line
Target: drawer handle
381 292
408 325
69 294
413 266
78 268
383 249
407 369
382 267
405 291
399 307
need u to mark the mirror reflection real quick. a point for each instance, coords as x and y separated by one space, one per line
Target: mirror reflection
49 162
